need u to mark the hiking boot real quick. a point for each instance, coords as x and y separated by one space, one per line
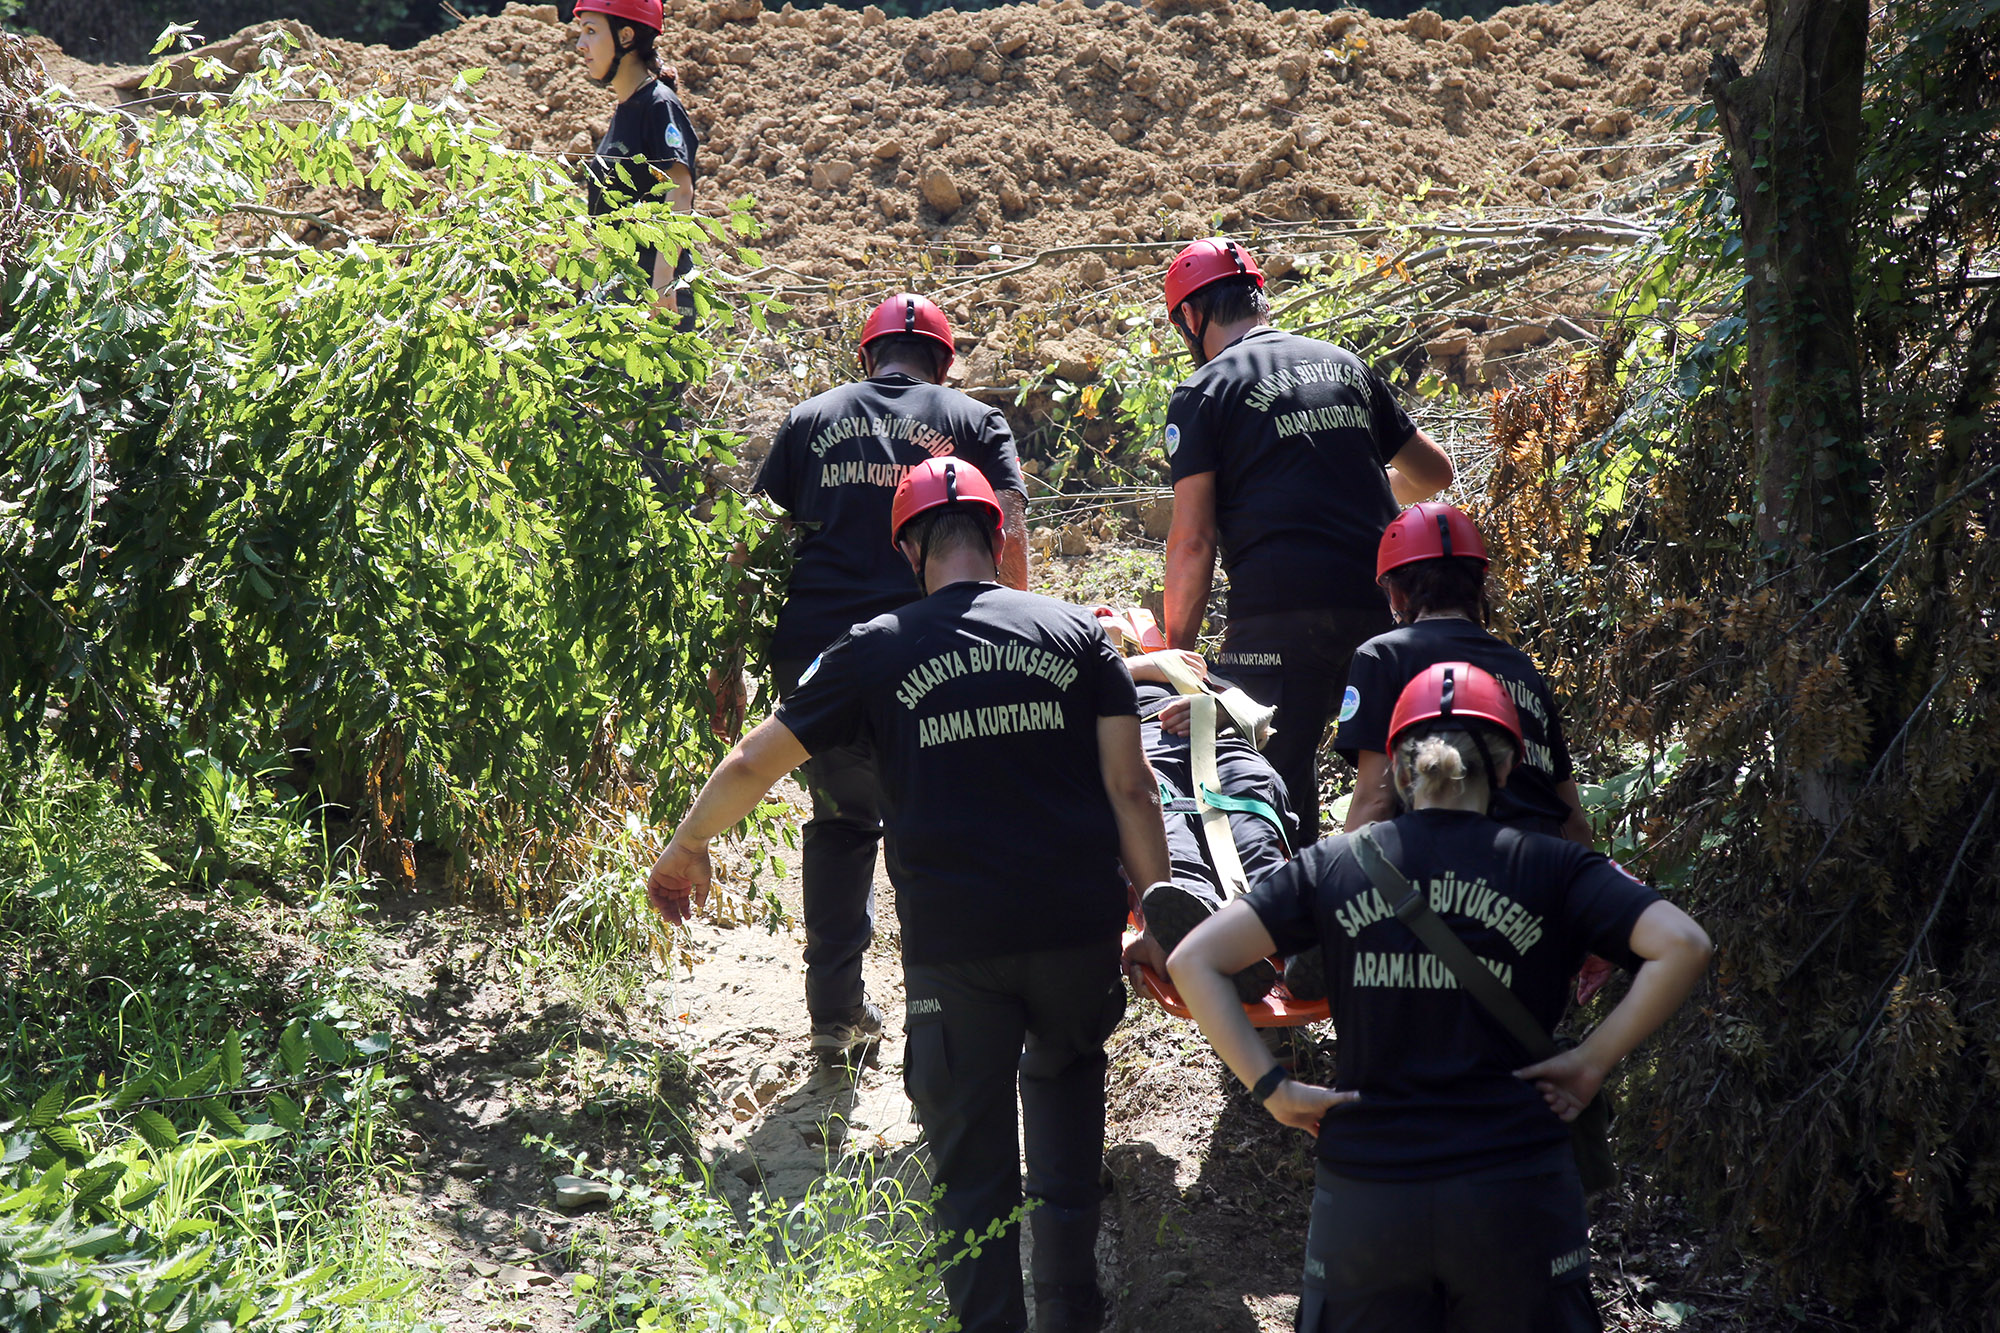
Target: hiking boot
1172 912
852 1042
1254 982
1068 1309
1305 975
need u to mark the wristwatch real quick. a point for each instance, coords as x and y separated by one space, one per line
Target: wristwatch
1261 1090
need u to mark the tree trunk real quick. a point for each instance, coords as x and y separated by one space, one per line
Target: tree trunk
1793 131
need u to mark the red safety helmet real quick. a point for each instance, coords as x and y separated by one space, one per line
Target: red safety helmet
1455 690
644 13
907 312
1207 262
1428 532
941 481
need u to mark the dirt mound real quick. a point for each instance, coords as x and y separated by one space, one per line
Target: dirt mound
1055 123
885 152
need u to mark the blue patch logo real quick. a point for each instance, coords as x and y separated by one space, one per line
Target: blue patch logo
674 138
808 673
1350 702
1173 440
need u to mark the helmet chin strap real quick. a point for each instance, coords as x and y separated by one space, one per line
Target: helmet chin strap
619 51
1196 341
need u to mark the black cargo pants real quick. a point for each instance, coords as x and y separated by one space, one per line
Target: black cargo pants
1296 661
978 1036
837 868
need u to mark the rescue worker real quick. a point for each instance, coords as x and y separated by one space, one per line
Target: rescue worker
1432 562
1447 1192
834 468
648 152
1006 734
1289 456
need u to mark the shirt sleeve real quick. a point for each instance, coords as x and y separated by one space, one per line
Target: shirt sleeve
1191 445
674 139
1001 465
1117 696
1284 900
1391 424
775 478
1602 906
828 708
1367 703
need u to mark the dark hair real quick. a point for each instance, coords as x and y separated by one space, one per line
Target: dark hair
911 348
1447 583
643 39
1229 301
948 528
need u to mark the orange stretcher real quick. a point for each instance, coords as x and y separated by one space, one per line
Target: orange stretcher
1276 1010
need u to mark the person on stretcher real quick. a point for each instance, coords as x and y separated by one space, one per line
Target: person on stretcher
1262 824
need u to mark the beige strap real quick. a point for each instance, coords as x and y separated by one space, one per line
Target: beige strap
1214 821
1251 719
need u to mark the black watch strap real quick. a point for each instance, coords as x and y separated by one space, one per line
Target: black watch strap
1261 1090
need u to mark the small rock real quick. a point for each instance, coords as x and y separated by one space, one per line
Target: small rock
576 1192
467 1170
988 69
766 1082
1156 517
873 16
537 13
940 191
1425 26
736 11
1091 271
1515 339
1450 345
1010 42
741 53
888 150
1075 540
536 1239
526 1069
958 58
481 1268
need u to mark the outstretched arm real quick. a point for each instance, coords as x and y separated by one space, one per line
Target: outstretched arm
1014 556
732 791
1190 558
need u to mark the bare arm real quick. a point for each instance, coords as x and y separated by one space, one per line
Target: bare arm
668 257
1374 792
1135 800
1577 827
1190 558
1014 557
748 771
1219 947
1419 470
1676 953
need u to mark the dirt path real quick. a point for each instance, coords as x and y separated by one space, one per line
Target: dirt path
516 1067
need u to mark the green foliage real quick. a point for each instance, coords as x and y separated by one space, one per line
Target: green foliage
856 1252
369 503
1812 737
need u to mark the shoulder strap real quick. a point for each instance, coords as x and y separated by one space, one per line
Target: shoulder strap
1473 976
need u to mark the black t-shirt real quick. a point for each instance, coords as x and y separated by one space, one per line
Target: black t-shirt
981 704
1297 432
1243 772
1386 663
834 467
650 131
1434 1069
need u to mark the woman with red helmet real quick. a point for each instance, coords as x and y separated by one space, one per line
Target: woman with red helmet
1432 563
1447 1194
648 153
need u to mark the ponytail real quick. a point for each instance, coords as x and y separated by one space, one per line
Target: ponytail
1435 765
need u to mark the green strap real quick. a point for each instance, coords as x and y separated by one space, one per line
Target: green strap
1249 805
